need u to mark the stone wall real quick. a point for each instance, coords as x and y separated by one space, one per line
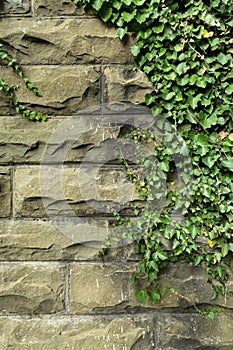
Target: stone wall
55 291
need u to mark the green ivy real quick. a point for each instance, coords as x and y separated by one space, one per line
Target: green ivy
9 89
186 50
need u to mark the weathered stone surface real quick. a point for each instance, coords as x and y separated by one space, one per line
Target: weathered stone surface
125 84
14 6
56 8
31 289
65 89
22 141
190 289
5 192
71 191
193 332
42 240
64 41
85 334
98 288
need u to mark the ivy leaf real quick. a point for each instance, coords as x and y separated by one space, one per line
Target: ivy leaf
182 68
105 13
121 32
193 101
223 59
159 29
141 17
127 16
224 249
155 297
228 163
97 4
168 96
141 294
210 20
229 89
201 141
135 49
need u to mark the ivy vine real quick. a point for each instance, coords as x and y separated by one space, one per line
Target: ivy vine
9 89
186 50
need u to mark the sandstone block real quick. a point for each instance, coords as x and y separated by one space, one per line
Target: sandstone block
125 84
190 289
56 8
192 331
42 240
31 289
81 191
65 89
14 6
22 141
97 288
122 333
64 41
5 192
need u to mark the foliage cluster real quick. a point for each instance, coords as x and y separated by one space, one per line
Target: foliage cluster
186 50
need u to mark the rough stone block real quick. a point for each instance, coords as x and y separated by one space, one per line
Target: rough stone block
22 141
190 289
56 8
194 332
64 41
111 333
65 89
14 6
42 240
70 191
97 288
5 192
31 289
125 84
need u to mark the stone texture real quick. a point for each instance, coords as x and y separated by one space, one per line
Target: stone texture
56 8
31 289
125 84
109 287
64 41
85 334
22 141
194 332
86 136
5 192
65 89
71 191
42 240
98 288
190 289
14 6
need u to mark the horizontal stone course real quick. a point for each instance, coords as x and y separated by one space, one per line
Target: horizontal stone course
31 289
100 288
85 334
193 332
71 191
56 8
34 240
22 141
64 41
65 89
